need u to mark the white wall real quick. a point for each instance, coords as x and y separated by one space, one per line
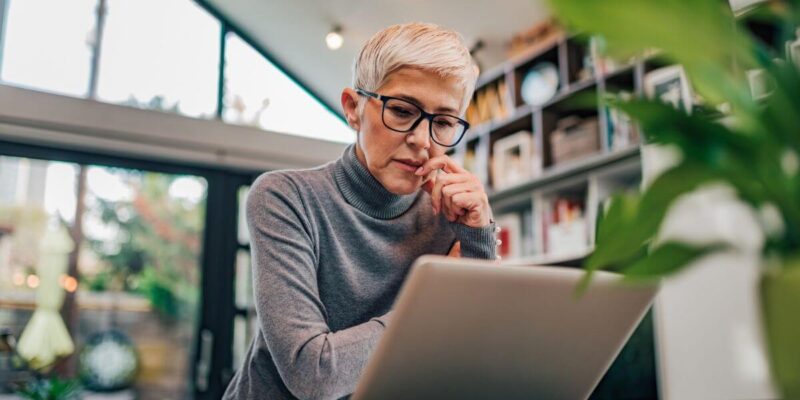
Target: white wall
709 340
709 334
708 329
33 117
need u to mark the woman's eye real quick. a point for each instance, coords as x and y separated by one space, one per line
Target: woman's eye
444 124
400 111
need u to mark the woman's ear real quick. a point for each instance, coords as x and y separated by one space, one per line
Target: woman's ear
350 107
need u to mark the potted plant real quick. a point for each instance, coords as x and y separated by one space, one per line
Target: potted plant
754 147
36 384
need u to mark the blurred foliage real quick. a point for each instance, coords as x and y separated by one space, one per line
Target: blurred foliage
50 389
753 148
155 103
155 247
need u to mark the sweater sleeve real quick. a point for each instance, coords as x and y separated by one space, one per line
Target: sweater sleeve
476 242
313 361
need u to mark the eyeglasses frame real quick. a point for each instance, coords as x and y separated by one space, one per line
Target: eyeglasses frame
423 115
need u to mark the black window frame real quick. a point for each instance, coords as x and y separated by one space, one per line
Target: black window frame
217 308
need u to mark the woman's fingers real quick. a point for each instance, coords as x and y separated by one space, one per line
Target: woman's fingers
470 201
457 193
452 210
442 162
443 180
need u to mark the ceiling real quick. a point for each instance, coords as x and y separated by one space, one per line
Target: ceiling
293 32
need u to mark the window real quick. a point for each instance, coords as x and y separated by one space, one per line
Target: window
139 264
47 45
160 54
245 323
258 94
156 54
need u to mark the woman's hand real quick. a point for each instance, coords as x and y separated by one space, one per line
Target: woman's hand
456 193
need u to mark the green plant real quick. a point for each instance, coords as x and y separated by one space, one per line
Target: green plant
754 148
156 244
160 290
50 389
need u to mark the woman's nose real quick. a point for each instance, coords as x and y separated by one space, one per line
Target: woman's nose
420 136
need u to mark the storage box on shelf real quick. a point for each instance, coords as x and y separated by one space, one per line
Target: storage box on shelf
570 131
519 130
563 226
512 159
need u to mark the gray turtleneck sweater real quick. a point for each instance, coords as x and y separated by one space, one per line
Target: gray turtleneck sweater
330 249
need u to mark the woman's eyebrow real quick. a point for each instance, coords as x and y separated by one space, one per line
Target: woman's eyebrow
414 100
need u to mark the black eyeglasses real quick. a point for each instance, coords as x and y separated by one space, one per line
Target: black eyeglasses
402 115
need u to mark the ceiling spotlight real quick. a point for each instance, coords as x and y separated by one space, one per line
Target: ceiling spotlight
334 38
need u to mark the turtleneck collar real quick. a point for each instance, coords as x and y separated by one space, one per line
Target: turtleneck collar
364 192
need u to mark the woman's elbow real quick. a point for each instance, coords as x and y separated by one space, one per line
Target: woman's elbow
315 377
308 387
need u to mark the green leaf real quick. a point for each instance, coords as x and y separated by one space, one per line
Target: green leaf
698 137
666 188
747 161
633 220
618 237
583 284
667 259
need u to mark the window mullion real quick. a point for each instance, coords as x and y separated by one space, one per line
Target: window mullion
221 73
102 7
3 13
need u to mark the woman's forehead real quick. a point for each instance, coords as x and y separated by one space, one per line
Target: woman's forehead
429 89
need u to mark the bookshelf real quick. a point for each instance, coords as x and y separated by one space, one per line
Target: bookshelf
549 154
572 152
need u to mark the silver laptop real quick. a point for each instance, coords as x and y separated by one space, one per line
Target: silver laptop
472 329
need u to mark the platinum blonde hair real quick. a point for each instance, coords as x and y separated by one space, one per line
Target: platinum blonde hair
416 45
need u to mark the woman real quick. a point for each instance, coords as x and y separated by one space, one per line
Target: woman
332 245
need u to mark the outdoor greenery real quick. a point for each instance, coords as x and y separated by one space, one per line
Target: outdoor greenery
155 249
752 147
50 389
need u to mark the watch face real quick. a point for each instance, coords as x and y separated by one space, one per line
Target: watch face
108 361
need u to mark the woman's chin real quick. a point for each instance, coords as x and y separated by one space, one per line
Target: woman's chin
403 187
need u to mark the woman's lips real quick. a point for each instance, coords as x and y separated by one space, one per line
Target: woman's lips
405 166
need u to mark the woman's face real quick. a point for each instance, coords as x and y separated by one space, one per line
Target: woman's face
392 157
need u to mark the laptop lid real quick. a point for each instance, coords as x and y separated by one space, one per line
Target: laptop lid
473 329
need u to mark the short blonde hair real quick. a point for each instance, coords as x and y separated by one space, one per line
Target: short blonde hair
417 45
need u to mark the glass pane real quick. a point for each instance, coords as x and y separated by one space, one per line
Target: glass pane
244 328
47 45
240 341
243 233
138 271
27 207
244 280
160 54
259 94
